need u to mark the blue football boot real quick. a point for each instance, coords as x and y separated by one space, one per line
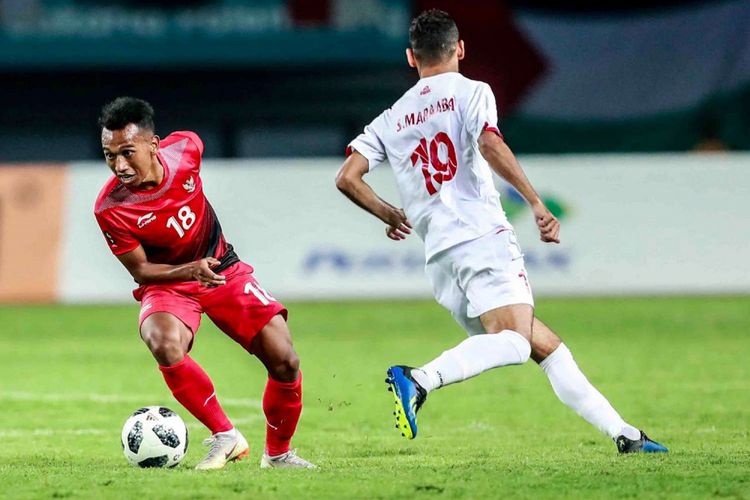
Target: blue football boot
642 445
409 397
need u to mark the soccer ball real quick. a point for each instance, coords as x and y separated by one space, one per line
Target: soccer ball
154 436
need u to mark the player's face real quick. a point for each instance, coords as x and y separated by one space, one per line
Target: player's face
130 153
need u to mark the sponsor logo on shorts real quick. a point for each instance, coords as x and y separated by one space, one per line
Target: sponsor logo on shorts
522 275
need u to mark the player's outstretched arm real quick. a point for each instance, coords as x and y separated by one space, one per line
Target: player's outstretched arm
349 180
504 163
145 272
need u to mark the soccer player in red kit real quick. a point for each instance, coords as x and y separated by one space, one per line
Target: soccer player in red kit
159 224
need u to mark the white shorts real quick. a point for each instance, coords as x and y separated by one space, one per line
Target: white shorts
477 276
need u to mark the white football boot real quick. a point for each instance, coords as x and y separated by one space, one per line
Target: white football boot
225 447
288 460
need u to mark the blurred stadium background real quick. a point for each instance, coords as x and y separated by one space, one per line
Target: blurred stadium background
276 89
631 118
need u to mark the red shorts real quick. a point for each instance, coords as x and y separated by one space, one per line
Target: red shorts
240 307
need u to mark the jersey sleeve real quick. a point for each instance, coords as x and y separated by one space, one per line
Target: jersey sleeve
369 143
481 112
118 238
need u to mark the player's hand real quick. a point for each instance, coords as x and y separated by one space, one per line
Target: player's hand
203 274
398 226
549 226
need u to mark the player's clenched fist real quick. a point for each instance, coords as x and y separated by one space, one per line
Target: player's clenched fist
549 226
398 226
202 273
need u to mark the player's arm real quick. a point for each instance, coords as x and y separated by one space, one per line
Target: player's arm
349 180
504 163
146 273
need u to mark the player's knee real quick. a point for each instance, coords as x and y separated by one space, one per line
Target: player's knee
165 345
286 368
520 344
524 351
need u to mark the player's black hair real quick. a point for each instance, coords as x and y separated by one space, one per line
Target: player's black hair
124 110
433 36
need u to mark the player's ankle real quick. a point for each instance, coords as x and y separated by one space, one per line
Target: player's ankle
230 433
630 432
423 378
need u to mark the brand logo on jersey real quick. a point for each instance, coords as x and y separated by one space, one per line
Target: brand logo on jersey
146 219
426 90
189 185
110 239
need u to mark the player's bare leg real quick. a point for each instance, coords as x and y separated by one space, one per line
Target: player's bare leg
169 339
508 344
282 399
574 389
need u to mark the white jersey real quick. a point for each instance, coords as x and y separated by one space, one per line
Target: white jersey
430 137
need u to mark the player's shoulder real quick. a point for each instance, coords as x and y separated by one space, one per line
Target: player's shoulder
451 84
467 87
112 193
178 137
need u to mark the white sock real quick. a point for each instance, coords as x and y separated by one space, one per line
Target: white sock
473 356
573 389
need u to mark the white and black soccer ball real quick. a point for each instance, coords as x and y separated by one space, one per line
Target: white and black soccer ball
154 436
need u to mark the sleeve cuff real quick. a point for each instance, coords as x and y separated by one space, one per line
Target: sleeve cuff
123 250
489 128
371 156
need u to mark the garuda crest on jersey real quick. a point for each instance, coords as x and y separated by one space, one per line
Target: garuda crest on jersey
189 185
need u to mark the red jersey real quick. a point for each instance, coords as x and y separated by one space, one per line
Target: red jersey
173 222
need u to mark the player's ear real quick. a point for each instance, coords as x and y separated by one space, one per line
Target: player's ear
155 143
460 50
410 58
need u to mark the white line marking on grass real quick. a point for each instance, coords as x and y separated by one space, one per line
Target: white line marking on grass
25 433
111 398
12 433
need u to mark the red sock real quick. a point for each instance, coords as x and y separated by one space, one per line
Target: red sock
282 404
191 386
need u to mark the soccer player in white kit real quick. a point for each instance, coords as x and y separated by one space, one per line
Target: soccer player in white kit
442 142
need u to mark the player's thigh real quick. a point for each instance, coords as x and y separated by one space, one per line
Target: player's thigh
241 307
543 341
516 317
492 273
449 294
169 315
168 338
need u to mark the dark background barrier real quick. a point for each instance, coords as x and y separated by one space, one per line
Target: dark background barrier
301 77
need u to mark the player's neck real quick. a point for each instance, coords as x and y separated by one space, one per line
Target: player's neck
155 177
438 69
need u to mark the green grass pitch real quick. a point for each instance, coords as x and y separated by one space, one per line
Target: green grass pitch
677 367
